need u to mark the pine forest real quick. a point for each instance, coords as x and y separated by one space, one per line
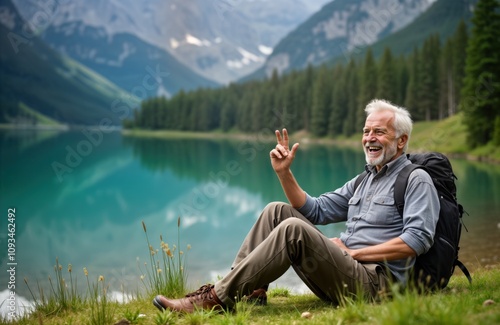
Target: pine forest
437 80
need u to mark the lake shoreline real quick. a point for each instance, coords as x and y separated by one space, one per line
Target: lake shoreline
301 137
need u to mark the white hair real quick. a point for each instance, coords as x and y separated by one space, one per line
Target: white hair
402 118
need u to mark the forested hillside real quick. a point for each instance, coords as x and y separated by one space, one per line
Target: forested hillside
322 100
438 80
481 91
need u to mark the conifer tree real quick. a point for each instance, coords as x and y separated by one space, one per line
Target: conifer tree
428 87
496 134
352 86
290 117
459 40
244 114
321 103
386 76
304 87
401 80
367 85
228 108
480 98
179 109
451 70
169 113
202 117
411 99
258 111
446 80
338 106
185 112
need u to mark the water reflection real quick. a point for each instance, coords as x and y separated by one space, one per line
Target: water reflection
479 191
92 218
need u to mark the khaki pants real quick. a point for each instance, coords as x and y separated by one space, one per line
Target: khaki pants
281 238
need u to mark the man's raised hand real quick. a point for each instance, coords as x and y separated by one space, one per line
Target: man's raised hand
281 156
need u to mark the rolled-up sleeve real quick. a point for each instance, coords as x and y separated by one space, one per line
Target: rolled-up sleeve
329 207
421 212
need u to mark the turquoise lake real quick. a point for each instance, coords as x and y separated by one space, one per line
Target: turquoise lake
81 198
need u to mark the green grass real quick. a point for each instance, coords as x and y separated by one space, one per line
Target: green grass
62 303
460 303
165 272
448 135
488 152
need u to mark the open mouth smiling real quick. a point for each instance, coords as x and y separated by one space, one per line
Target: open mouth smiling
373 149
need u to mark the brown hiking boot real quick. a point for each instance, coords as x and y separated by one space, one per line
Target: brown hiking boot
204 298
259 297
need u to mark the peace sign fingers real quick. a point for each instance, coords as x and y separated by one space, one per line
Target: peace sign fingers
282 140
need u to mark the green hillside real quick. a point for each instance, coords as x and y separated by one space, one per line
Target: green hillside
52 86
447 136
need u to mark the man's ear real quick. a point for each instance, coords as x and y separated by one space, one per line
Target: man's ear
402 140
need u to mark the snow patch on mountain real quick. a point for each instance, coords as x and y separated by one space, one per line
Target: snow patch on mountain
266 50
202 34
247 58
190 39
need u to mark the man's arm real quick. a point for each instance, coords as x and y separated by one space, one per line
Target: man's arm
294 193
394 249
281 160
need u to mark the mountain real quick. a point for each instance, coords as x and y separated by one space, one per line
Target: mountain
124 59
38 85
441 18
339 28
220 40
228 42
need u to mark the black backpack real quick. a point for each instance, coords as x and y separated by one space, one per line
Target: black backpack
433 269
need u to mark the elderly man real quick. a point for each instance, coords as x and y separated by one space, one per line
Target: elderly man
377 246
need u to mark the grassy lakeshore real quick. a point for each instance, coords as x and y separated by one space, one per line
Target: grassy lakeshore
447 136
164 272
459 303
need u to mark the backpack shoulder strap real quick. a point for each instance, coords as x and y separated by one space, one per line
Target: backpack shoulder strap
359 179
464 269
400 186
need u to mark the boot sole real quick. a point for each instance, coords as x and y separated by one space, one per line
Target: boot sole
157 304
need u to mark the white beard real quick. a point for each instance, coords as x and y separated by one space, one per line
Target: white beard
387 154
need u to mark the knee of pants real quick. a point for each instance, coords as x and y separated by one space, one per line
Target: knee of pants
274 206
292 225
273 210
279 211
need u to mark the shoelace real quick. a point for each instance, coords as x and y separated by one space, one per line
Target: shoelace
203 292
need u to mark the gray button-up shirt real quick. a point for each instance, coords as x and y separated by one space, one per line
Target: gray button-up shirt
371 215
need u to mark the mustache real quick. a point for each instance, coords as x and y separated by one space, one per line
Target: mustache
373 144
